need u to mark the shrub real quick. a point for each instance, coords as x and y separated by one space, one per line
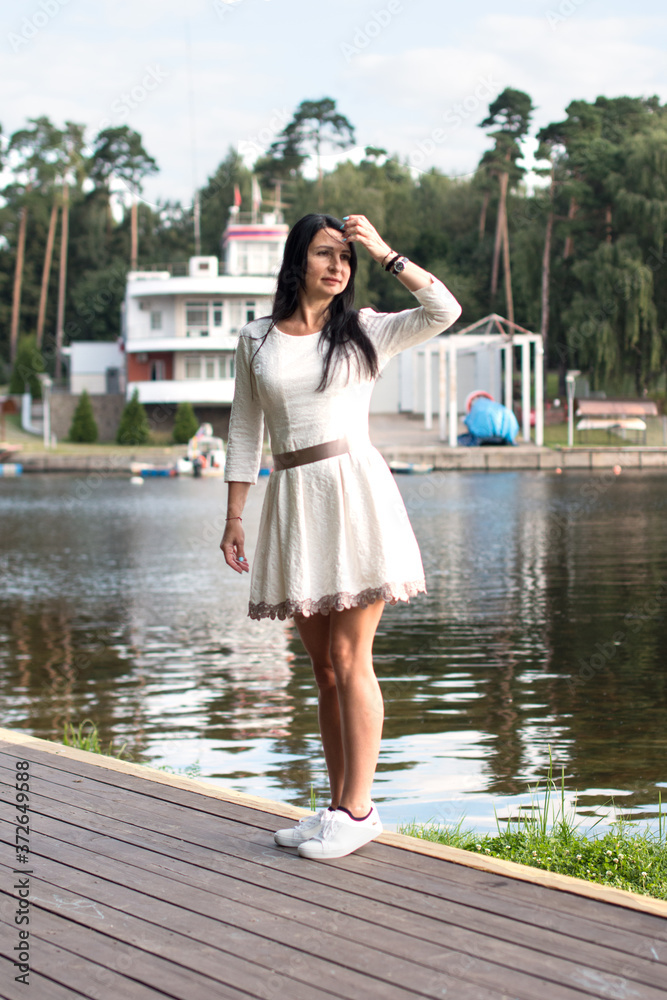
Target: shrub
133 427
185 424
83 427
28 365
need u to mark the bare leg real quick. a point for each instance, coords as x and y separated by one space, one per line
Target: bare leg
350 701
359 700
314 632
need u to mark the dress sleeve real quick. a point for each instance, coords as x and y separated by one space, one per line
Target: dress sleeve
394 332
246 425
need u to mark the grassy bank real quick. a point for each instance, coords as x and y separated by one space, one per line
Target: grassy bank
623 858
626 857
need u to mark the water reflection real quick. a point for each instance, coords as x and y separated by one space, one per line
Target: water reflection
542 629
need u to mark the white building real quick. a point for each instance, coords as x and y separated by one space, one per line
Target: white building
180 333
98 366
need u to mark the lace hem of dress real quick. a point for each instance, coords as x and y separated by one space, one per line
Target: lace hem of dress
392 593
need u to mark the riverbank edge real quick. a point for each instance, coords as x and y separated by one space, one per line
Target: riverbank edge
119 462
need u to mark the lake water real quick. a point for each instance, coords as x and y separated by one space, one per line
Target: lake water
543 632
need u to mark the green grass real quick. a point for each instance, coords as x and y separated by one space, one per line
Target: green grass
35 442
625 857
86 737
556 434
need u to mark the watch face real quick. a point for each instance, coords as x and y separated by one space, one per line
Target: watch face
399 265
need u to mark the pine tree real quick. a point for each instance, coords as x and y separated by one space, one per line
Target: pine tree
185 424
83 427
133 427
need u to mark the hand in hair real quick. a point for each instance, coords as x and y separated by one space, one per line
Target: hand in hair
359 229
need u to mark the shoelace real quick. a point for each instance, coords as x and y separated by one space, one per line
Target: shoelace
309 820
328 825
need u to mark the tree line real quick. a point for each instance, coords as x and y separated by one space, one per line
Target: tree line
579 256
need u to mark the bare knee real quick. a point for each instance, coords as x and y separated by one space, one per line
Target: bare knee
346 659
325 676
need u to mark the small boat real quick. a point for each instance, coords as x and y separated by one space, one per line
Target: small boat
205 455
410 467
10 468
147 471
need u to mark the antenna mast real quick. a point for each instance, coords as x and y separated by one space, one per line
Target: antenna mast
196 208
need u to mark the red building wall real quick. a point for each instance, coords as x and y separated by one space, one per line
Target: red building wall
140 371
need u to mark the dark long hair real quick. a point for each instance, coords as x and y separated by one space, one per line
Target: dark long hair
342 336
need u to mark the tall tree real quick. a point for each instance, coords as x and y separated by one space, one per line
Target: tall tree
119 153
72 169
30 153
315 126
510 115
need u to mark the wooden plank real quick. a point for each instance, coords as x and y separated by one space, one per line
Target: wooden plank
309 957
611 985
20 742
419 902
469 859
87 977
239 847
161 813
608 964
181 975
604 911
40 988
603 958
538 876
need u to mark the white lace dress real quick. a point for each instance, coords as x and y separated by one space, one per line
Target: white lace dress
333 534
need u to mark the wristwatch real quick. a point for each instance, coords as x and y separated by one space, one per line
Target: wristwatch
399 265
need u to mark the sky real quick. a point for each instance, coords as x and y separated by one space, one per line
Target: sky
414 77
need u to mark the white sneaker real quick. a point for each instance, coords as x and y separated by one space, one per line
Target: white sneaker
341 835
307 827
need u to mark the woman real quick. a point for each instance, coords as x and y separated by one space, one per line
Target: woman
335 543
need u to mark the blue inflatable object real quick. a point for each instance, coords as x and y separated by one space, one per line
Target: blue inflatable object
488 419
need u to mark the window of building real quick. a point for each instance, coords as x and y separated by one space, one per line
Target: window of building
196 319
210 367
231 367
222 366
249 312
257 257
158 371
192 368
217 314
156 319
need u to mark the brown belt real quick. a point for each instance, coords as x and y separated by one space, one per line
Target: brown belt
315 453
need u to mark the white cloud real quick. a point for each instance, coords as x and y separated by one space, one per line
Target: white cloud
445 91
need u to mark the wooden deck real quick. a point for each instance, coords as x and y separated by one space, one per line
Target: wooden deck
149 885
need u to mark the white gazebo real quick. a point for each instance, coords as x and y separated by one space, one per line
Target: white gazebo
490 344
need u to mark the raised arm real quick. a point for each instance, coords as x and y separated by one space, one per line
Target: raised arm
359 229
394 332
